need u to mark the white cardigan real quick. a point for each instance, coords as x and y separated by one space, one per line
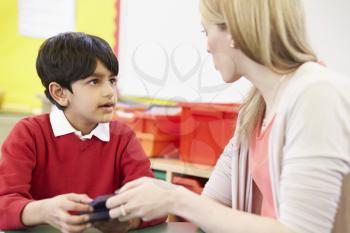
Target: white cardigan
309 153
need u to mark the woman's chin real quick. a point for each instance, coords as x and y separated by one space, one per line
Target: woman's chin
230 78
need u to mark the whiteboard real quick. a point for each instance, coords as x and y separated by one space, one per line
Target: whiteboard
162 54
162 51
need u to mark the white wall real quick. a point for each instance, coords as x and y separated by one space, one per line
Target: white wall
328 24
163 52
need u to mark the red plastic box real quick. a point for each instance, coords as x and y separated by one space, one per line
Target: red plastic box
128 117
189 183
158 145
158 134
141 121
159 125
205 131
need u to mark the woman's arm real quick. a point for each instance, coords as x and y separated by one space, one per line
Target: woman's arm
148 198
219 186
214 217
315 158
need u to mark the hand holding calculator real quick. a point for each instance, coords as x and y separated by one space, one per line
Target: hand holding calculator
100 212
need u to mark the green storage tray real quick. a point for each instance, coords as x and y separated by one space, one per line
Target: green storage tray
159 174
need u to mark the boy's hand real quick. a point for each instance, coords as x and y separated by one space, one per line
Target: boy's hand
112 226
56 212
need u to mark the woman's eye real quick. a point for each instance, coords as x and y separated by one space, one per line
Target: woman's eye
204 32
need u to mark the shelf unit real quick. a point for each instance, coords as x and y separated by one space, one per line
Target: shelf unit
171 166
176 166
7 122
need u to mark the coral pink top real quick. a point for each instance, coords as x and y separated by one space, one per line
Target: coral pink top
259 169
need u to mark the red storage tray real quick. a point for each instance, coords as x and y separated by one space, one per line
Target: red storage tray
128 117
159 125
205 130
189 183
161 145
140 121
158 134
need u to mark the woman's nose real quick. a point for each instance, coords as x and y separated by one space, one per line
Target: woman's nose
208 48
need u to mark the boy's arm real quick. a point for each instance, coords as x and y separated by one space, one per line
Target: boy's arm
17 207
16 166
56 212
32 213
135 164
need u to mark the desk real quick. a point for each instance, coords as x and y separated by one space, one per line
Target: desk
172 227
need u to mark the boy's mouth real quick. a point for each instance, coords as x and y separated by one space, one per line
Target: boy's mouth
107 106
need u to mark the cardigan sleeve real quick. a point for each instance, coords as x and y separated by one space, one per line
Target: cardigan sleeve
219 185
316 157
16 165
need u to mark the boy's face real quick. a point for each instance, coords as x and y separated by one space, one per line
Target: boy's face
93 99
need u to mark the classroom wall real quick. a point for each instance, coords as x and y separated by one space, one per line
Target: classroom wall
328 24
18 76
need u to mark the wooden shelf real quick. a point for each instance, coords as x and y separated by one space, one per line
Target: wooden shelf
171 166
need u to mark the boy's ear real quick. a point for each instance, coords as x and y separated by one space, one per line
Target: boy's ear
59 94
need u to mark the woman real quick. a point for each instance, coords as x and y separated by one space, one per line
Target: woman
283 169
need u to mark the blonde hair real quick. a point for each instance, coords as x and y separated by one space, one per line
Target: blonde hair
271 33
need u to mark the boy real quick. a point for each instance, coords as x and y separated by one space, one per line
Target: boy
54 164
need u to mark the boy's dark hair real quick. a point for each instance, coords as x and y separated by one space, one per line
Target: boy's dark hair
72 56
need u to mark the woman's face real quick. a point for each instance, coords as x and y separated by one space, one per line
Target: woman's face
221 46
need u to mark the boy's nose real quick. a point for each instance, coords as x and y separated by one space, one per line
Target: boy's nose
109 90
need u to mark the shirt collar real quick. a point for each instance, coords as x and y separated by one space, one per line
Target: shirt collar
61 126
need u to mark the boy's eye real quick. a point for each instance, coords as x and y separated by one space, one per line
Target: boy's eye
113 81
93 82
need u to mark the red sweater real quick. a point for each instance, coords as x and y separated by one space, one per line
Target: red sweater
36 165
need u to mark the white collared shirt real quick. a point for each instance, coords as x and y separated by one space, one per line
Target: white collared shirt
61 126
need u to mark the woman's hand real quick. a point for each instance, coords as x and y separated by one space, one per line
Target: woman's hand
56 212
144 198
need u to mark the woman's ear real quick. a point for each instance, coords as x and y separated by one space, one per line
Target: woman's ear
232 44
59 94
230 40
